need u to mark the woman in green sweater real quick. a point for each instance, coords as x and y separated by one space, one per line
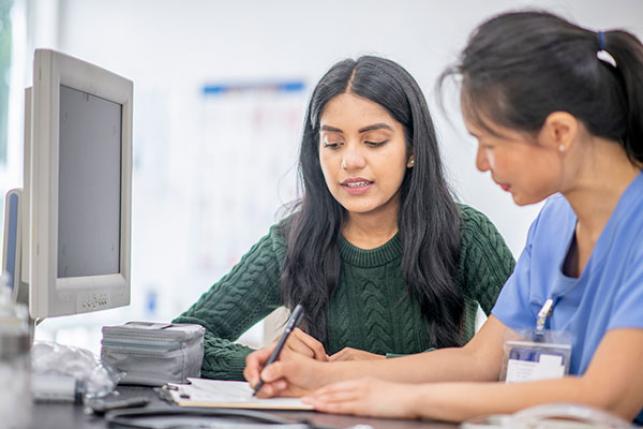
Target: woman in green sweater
377 252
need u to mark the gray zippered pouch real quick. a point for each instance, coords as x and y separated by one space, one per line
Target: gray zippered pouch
153 354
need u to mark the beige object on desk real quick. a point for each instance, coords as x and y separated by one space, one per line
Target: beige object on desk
228 394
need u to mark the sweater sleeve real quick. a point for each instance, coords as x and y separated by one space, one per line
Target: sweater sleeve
485 260
241 298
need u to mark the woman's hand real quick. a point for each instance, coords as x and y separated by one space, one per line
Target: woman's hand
299 343
367 397
349 353
294 374
302 343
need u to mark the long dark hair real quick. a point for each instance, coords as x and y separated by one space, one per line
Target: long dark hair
519 67
428 219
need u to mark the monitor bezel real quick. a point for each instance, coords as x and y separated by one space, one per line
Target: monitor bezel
50 295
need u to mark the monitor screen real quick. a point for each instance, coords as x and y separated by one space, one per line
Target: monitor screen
78 182
89 187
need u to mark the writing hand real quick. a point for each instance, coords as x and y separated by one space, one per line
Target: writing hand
292 375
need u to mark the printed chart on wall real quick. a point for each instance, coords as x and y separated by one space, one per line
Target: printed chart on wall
247 164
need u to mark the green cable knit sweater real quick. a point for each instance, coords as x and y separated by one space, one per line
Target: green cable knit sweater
370 310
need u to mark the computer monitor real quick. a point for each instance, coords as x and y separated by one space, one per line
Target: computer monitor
76 199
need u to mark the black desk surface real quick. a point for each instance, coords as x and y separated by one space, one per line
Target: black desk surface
67 416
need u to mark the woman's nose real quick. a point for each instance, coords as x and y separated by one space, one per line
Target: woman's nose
353 159
482 163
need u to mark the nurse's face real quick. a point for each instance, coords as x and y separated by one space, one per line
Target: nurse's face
525 166
362 151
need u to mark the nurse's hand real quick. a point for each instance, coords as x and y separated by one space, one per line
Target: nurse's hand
349 353
292 375
366 397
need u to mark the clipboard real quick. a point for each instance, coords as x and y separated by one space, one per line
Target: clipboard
206 393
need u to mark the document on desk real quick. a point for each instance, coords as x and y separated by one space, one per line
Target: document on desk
228 394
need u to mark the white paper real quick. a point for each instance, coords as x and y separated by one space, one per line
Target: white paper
228 394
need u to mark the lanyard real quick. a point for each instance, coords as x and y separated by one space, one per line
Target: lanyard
543 314
548 307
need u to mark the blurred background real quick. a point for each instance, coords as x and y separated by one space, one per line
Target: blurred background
220 90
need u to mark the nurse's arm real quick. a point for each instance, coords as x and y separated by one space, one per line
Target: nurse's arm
613 382
479 360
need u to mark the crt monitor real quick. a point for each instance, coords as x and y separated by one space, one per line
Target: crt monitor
76 199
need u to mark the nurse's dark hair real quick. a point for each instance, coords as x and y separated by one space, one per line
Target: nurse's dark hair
519 67
429 226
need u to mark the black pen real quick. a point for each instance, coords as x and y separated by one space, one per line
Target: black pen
292 323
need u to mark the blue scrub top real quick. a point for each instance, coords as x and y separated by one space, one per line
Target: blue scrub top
607 295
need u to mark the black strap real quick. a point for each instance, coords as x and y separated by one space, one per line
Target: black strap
139 419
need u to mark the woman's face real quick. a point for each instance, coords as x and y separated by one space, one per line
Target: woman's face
529 168
362 151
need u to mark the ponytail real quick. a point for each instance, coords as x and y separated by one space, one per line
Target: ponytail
627 51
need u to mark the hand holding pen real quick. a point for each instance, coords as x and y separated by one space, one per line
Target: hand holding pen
291 324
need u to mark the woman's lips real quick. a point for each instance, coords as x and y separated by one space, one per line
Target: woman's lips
357 186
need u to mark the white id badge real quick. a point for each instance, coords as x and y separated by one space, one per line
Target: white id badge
537 358
537 354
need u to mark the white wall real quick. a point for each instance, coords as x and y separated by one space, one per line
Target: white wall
175 46
170 48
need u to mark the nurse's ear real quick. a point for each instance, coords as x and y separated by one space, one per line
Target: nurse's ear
559 132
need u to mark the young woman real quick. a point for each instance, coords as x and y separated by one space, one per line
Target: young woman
377 252
558 112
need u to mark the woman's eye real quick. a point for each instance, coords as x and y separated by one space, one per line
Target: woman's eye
485 146
332 145
375 143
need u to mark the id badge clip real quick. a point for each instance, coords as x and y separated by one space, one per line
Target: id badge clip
538 354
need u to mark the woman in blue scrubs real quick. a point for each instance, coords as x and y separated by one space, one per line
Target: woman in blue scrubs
557 111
